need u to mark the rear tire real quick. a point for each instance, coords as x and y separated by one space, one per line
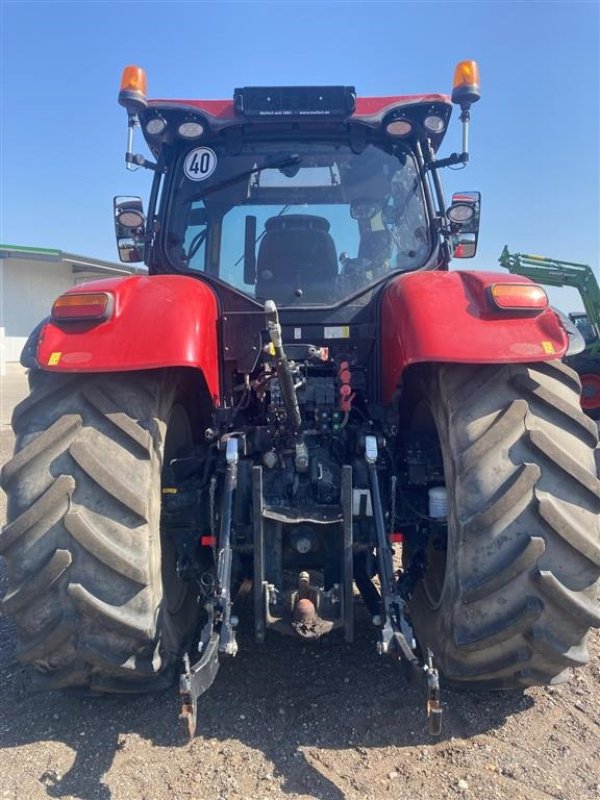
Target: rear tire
516 595
93 602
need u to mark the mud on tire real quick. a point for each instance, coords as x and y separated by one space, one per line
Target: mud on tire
518 591
82 543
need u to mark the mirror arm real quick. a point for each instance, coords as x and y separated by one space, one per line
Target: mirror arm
457 158
132 160
449 230
453 158
465 118
132 124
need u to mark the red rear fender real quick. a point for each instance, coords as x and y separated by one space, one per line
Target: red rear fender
448 316
157 321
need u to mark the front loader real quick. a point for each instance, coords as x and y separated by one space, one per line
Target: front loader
553 272
298 385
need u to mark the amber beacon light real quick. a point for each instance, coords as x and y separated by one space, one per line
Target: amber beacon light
465 87
465 92
134 89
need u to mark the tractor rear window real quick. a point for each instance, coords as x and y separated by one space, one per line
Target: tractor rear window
300 224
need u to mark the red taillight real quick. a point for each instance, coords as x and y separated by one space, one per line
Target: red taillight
519 296
85 306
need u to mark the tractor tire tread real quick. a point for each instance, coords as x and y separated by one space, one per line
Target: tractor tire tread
36 585
81 544
526 555
523 565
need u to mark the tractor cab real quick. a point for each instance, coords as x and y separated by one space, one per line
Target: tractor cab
308 196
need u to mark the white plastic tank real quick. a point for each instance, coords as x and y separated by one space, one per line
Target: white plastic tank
438 502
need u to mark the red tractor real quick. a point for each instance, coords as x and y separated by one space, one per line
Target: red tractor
298 383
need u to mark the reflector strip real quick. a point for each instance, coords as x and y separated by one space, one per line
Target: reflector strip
90 306
519 296
396 537
208 541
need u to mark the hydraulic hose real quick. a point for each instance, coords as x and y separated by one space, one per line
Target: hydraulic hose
284 371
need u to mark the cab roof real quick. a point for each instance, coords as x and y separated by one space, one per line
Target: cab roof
367 109
369 113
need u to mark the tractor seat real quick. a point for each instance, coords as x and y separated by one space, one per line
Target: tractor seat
296 254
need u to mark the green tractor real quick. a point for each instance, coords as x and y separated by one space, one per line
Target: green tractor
581 276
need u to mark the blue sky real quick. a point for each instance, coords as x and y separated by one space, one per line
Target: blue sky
535 146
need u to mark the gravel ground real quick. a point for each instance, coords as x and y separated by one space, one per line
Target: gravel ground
295 721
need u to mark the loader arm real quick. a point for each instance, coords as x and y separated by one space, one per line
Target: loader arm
552 272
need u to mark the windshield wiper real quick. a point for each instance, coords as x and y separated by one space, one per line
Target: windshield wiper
196 244
288 161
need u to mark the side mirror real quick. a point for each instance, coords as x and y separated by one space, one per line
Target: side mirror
130 228
463 215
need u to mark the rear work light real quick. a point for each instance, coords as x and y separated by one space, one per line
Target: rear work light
190 129
90 306
519 296
399 127
156 126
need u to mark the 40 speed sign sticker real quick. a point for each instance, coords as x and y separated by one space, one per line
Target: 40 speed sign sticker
200 163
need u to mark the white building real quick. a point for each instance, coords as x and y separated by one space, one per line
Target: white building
31 279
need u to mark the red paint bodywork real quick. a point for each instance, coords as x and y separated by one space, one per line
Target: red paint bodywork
158 321
367 109
448 316
171 320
